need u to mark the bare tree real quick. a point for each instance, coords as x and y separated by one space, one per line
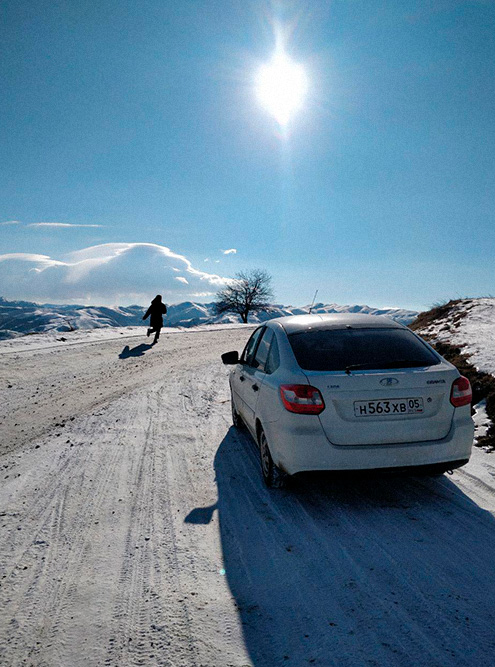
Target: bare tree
250 291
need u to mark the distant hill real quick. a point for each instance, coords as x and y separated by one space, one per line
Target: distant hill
19 318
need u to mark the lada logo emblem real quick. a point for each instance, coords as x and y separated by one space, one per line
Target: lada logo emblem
389 382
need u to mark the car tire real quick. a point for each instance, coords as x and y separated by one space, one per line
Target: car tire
273 477
236 417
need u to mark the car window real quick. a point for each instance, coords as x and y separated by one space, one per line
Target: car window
263 349
273 361
354 349
250 349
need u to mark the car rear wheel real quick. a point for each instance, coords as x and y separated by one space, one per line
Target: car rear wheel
272 475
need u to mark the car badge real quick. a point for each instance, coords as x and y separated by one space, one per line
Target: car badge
389 382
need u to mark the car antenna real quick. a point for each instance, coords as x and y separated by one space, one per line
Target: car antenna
313 303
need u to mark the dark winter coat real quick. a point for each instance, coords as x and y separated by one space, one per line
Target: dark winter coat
156 312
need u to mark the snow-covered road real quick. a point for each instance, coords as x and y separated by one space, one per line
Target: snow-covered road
135 530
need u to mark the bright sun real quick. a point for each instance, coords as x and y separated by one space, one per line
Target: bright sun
281 87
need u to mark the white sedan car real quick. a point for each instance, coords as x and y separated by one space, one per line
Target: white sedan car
349 392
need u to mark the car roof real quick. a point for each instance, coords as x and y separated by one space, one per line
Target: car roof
322 322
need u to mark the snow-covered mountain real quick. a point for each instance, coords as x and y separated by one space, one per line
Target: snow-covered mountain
191 314
18 318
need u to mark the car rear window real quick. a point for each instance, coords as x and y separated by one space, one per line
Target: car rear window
355 349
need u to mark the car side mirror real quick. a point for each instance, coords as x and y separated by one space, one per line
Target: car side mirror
230 358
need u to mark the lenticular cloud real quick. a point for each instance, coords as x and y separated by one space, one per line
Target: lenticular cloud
107 274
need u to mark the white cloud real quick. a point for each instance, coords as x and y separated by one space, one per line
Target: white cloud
230 251
207 259
110 273
59 224
48 224
42 261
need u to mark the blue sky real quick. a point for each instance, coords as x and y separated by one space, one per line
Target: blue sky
136 125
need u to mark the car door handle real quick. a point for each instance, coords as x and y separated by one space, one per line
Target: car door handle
241 378
255 387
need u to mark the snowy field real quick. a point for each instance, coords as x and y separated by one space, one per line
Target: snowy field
135 529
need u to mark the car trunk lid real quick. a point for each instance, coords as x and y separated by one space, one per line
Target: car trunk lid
373 407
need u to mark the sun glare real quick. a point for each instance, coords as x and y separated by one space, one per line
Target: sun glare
281 87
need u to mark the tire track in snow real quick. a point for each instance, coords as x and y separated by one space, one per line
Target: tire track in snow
64 466
64 530
144 628
196 431
477 486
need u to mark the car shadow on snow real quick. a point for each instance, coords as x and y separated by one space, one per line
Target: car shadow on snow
364 570
137 351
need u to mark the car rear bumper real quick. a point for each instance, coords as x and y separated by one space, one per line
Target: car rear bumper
298 444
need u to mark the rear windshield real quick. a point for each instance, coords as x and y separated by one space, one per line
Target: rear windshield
360 349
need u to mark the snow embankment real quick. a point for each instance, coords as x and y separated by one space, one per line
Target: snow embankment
467 327
470 325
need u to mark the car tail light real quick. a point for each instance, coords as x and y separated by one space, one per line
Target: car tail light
302 398
461 393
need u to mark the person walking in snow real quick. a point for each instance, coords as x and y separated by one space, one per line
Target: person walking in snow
155 312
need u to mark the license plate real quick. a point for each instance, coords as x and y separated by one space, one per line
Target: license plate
388 408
